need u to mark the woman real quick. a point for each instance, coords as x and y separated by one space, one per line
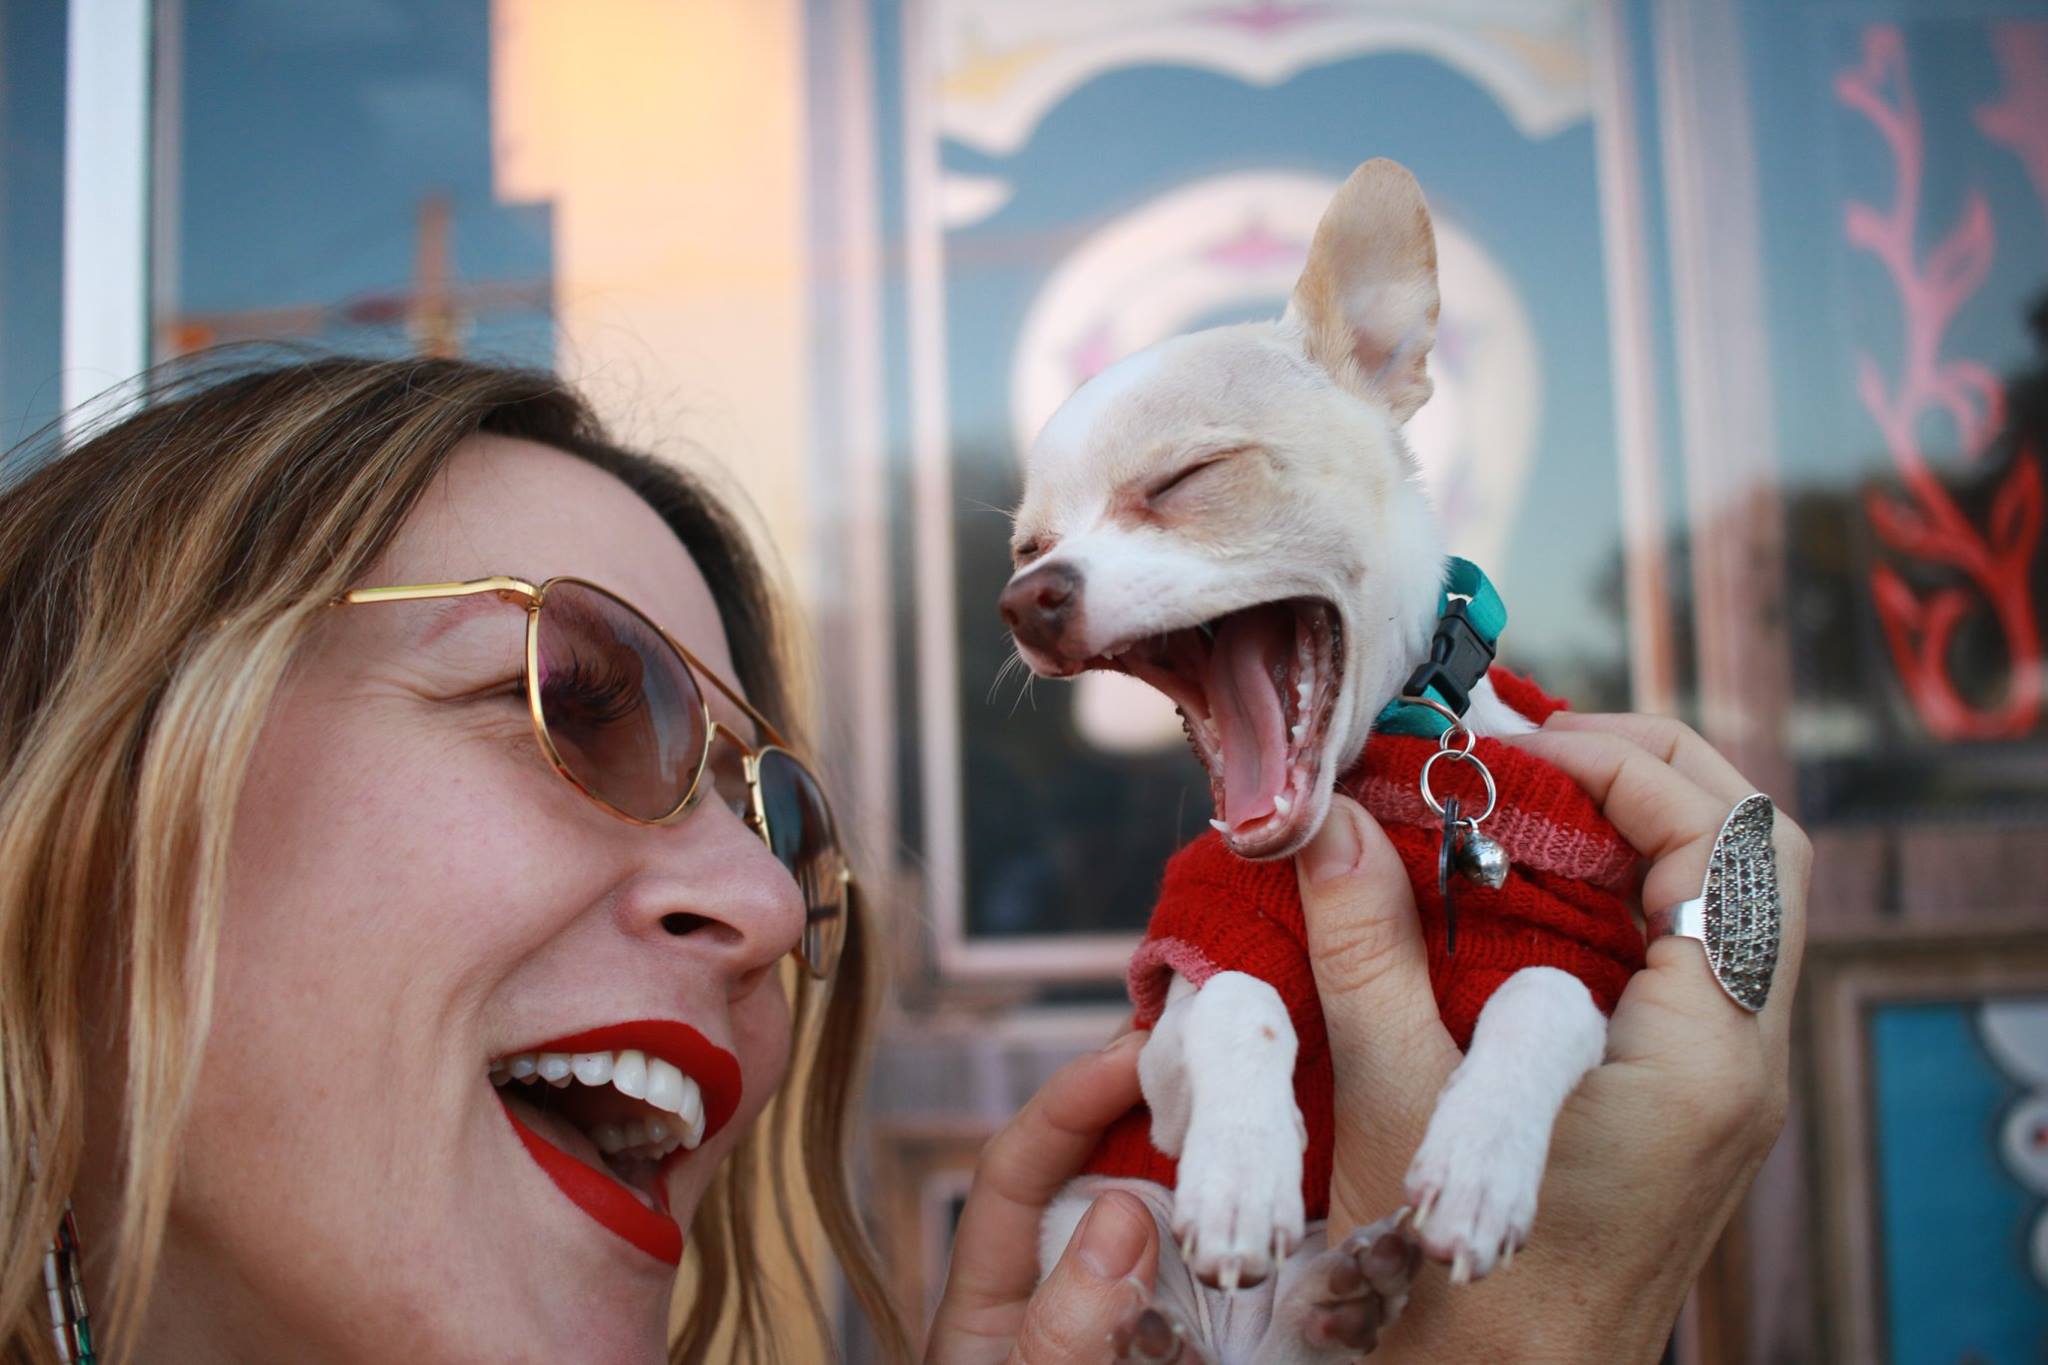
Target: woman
295 912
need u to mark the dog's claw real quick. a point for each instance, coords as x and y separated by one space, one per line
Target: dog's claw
1461 1268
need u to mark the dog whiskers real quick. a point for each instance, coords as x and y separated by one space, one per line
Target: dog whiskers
1026 694
1010 665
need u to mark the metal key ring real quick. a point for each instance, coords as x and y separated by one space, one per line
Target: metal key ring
1453 721
1429 796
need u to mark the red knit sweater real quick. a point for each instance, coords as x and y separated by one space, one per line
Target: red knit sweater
1566 903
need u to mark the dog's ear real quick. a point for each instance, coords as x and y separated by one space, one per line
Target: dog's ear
1366 304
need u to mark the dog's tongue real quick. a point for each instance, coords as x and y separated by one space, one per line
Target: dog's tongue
1244 705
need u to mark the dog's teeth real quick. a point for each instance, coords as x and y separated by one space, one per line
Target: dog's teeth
1219 827
1282 804
1300 733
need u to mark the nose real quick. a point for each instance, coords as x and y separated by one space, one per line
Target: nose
722 897
1040 606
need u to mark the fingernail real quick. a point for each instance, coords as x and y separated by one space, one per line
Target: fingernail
1338 845
1122 1040
1111 1238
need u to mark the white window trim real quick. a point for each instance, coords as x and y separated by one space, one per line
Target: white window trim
106 200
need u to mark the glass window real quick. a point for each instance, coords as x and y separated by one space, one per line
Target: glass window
31 213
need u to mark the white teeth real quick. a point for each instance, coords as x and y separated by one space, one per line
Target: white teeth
1219 827
691 1111
664 1086
1300 733
1282 804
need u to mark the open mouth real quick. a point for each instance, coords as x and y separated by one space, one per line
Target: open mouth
1256 690
607 1113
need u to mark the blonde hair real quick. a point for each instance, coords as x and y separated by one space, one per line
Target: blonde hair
155 582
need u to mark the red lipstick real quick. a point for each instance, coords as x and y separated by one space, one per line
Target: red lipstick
608 1202
603 1198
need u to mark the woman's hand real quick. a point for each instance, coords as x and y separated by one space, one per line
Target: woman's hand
1655 1150
994 1309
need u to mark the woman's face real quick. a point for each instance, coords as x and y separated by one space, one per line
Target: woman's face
416 895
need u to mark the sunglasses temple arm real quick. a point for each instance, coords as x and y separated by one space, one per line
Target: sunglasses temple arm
731 694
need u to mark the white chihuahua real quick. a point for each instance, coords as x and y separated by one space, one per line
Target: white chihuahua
1232 517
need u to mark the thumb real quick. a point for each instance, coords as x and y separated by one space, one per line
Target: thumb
1100 1283
1388 1043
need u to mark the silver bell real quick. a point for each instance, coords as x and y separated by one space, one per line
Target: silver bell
1482 860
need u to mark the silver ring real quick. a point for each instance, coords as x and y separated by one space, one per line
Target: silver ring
1429 797
1737 916
1453 721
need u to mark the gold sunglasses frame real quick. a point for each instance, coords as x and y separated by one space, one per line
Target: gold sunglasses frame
531 596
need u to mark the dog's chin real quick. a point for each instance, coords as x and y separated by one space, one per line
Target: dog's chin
1257 690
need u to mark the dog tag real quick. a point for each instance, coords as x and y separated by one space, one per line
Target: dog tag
1446 858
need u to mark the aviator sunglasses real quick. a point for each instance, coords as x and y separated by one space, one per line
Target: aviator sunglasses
620 713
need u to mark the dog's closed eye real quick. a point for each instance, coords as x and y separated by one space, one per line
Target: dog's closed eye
1024 551
1189 473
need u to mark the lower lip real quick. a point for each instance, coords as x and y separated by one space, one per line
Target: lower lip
606 1201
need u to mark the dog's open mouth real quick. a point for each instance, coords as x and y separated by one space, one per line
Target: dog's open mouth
1256 690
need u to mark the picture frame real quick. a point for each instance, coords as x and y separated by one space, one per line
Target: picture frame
1913 1105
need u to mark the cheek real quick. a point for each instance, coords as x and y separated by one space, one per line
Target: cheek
761 1034
373 850
381 884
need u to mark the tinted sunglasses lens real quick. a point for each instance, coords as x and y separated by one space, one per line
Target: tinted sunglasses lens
803 837
624 715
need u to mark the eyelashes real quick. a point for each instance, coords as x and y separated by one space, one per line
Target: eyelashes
592 693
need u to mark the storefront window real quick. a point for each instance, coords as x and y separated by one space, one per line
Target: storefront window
31 214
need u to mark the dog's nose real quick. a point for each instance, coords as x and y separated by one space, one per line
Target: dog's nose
1039 606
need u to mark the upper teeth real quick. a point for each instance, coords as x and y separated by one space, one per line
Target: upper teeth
630 1072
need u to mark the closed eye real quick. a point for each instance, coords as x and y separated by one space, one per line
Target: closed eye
1182 476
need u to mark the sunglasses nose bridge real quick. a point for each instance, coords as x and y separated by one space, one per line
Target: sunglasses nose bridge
750 772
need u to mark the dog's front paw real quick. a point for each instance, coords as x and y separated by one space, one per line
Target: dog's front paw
1473 1183
1237 1200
